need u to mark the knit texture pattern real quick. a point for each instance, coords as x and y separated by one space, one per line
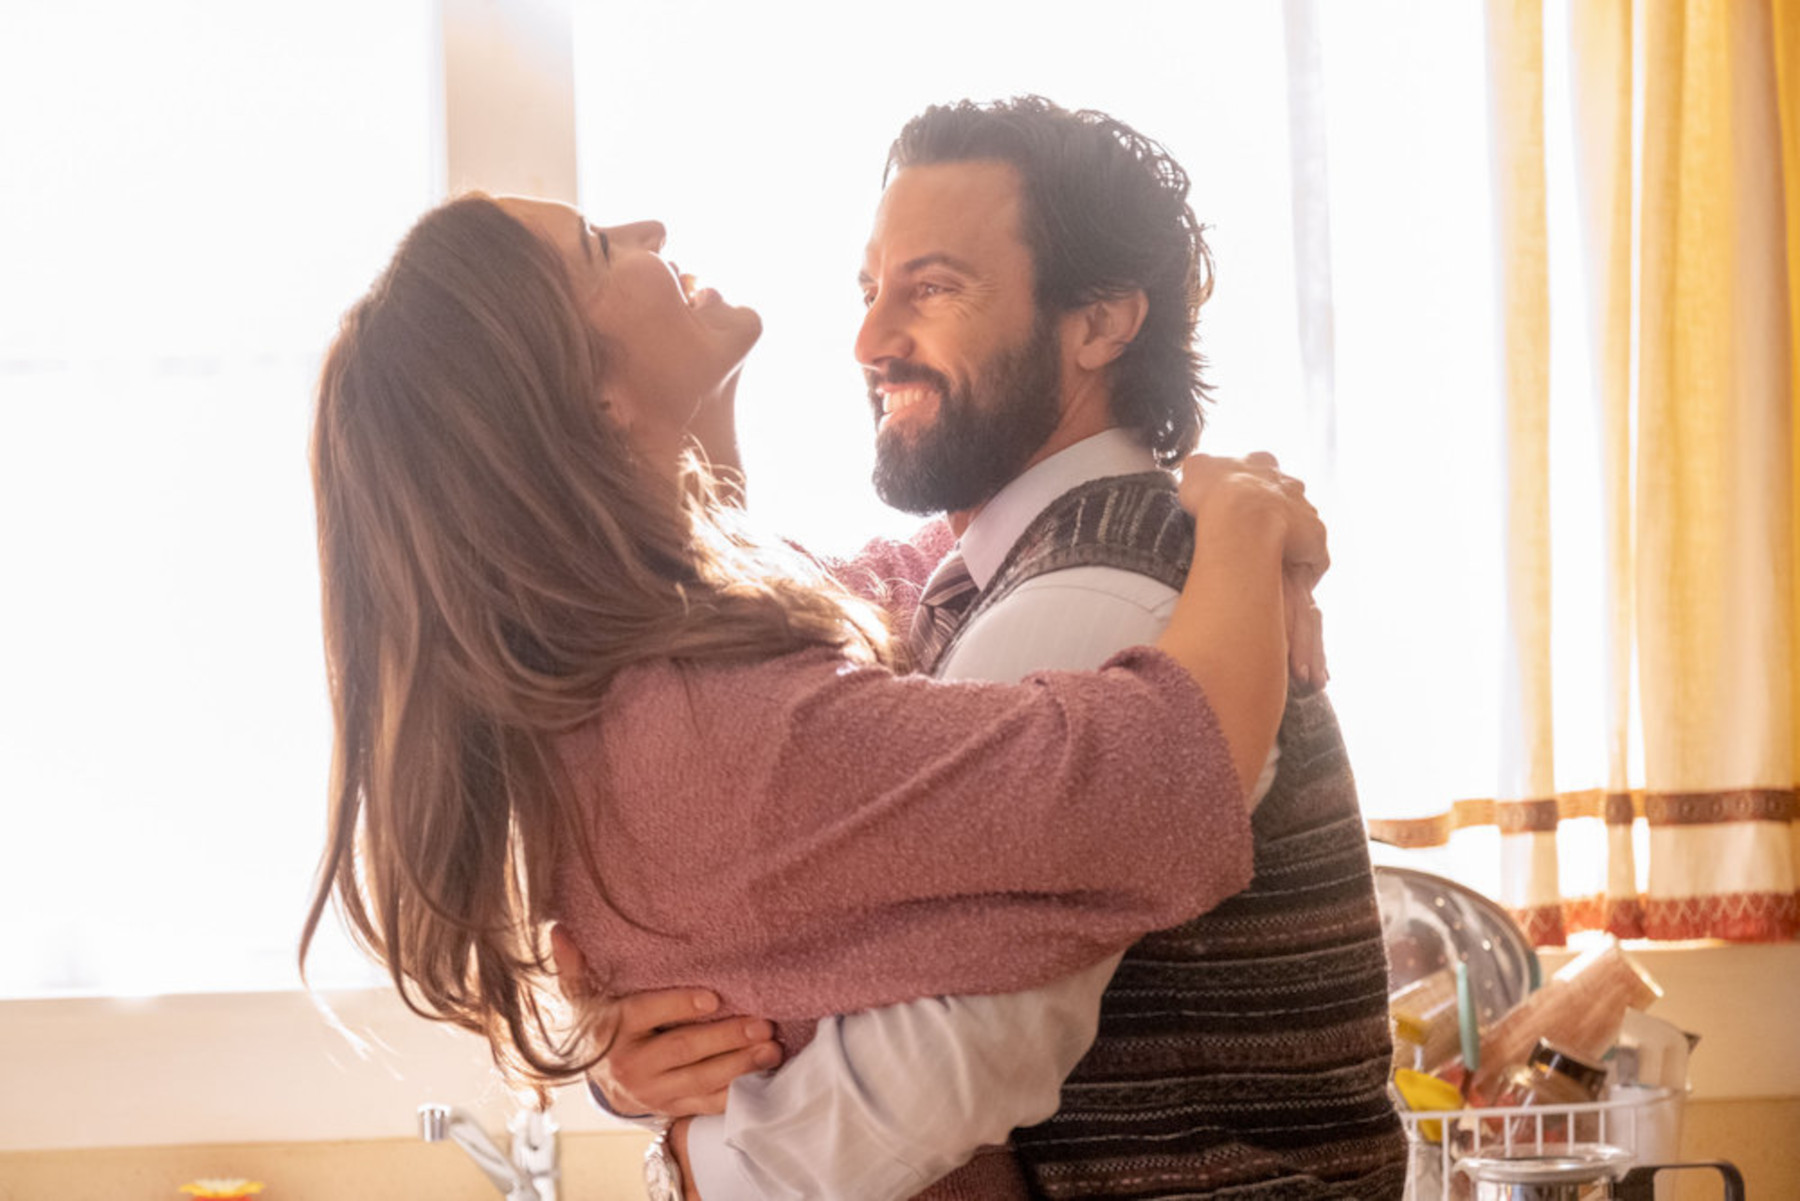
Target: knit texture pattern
993 1175
1245 1052
890 574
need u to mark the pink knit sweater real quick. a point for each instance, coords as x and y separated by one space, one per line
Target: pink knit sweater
807 837
892 574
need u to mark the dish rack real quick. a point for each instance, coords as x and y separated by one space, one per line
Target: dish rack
1631 1121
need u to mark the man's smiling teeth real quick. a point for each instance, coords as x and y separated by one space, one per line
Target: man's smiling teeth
690 287
904 398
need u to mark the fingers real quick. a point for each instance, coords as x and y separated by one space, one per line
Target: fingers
1207 469
1306 636
702 1087
644 1013
1202 474
670 1052
623 1028
1306 554
1304 550
685 1069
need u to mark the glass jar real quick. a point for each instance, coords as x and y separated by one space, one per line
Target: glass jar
1552 1076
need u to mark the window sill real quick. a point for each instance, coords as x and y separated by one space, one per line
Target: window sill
266 1067
239 1068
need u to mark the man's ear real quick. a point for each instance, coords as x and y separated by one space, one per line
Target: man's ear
1107 326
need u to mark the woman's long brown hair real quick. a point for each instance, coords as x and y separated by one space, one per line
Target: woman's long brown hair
492 554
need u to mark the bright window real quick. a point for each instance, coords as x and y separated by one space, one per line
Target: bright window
208 184
193 192
768 175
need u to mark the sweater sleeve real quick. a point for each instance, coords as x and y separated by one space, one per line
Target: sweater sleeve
870 838
891 573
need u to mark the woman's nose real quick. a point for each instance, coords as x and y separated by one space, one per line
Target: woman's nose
650 235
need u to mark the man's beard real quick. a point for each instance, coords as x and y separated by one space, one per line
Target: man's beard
980 438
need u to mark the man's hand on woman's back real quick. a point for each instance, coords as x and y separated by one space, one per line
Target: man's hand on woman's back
664 1059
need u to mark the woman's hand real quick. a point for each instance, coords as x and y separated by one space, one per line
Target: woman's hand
664 1059
1257 481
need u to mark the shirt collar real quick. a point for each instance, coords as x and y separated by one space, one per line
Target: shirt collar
994 530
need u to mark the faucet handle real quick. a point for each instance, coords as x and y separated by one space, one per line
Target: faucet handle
438 1123
434 1122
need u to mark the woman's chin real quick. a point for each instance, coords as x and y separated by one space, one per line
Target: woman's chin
740 329
740 322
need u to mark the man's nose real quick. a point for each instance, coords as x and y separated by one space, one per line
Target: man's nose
651 235
883 335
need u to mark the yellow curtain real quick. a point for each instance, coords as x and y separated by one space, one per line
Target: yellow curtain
1528 760
1686 131
1715 552
1787 75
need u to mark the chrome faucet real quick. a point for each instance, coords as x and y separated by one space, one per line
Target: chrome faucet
530 1175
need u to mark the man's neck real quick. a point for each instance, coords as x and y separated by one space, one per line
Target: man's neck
1078 425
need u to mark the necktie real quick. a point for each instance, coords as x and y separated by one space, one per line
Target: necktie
948 596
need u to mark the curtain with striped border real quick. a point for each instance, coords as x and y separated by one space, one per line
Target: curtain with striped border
1686 136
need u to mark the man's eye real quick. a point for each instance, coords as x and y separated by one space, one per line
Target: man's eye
868 298
927 289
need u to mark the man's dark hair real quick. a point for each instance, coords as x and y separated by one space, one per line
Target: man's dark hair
1105 211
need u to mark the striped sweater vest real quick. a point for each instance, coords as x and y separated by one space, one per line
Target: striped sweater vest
1245 1052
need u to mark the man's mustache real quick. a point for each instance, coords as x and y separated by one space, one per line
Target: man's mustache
900 372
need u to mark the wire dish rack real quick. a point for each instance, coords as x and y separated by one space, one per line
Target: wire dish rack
1643 1121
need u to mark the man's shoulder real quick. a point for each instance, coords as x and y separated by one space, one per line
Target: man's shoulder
1095 572
1135 495
1071 620
1100 587
1131 523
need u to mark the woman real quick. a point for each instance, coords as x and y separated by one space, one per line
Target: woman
562 679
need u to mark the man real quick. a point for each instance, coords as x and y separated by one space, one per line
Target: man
1033 282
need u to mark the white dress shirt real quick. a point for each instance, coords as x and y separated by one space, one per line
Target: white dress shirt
884 1102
